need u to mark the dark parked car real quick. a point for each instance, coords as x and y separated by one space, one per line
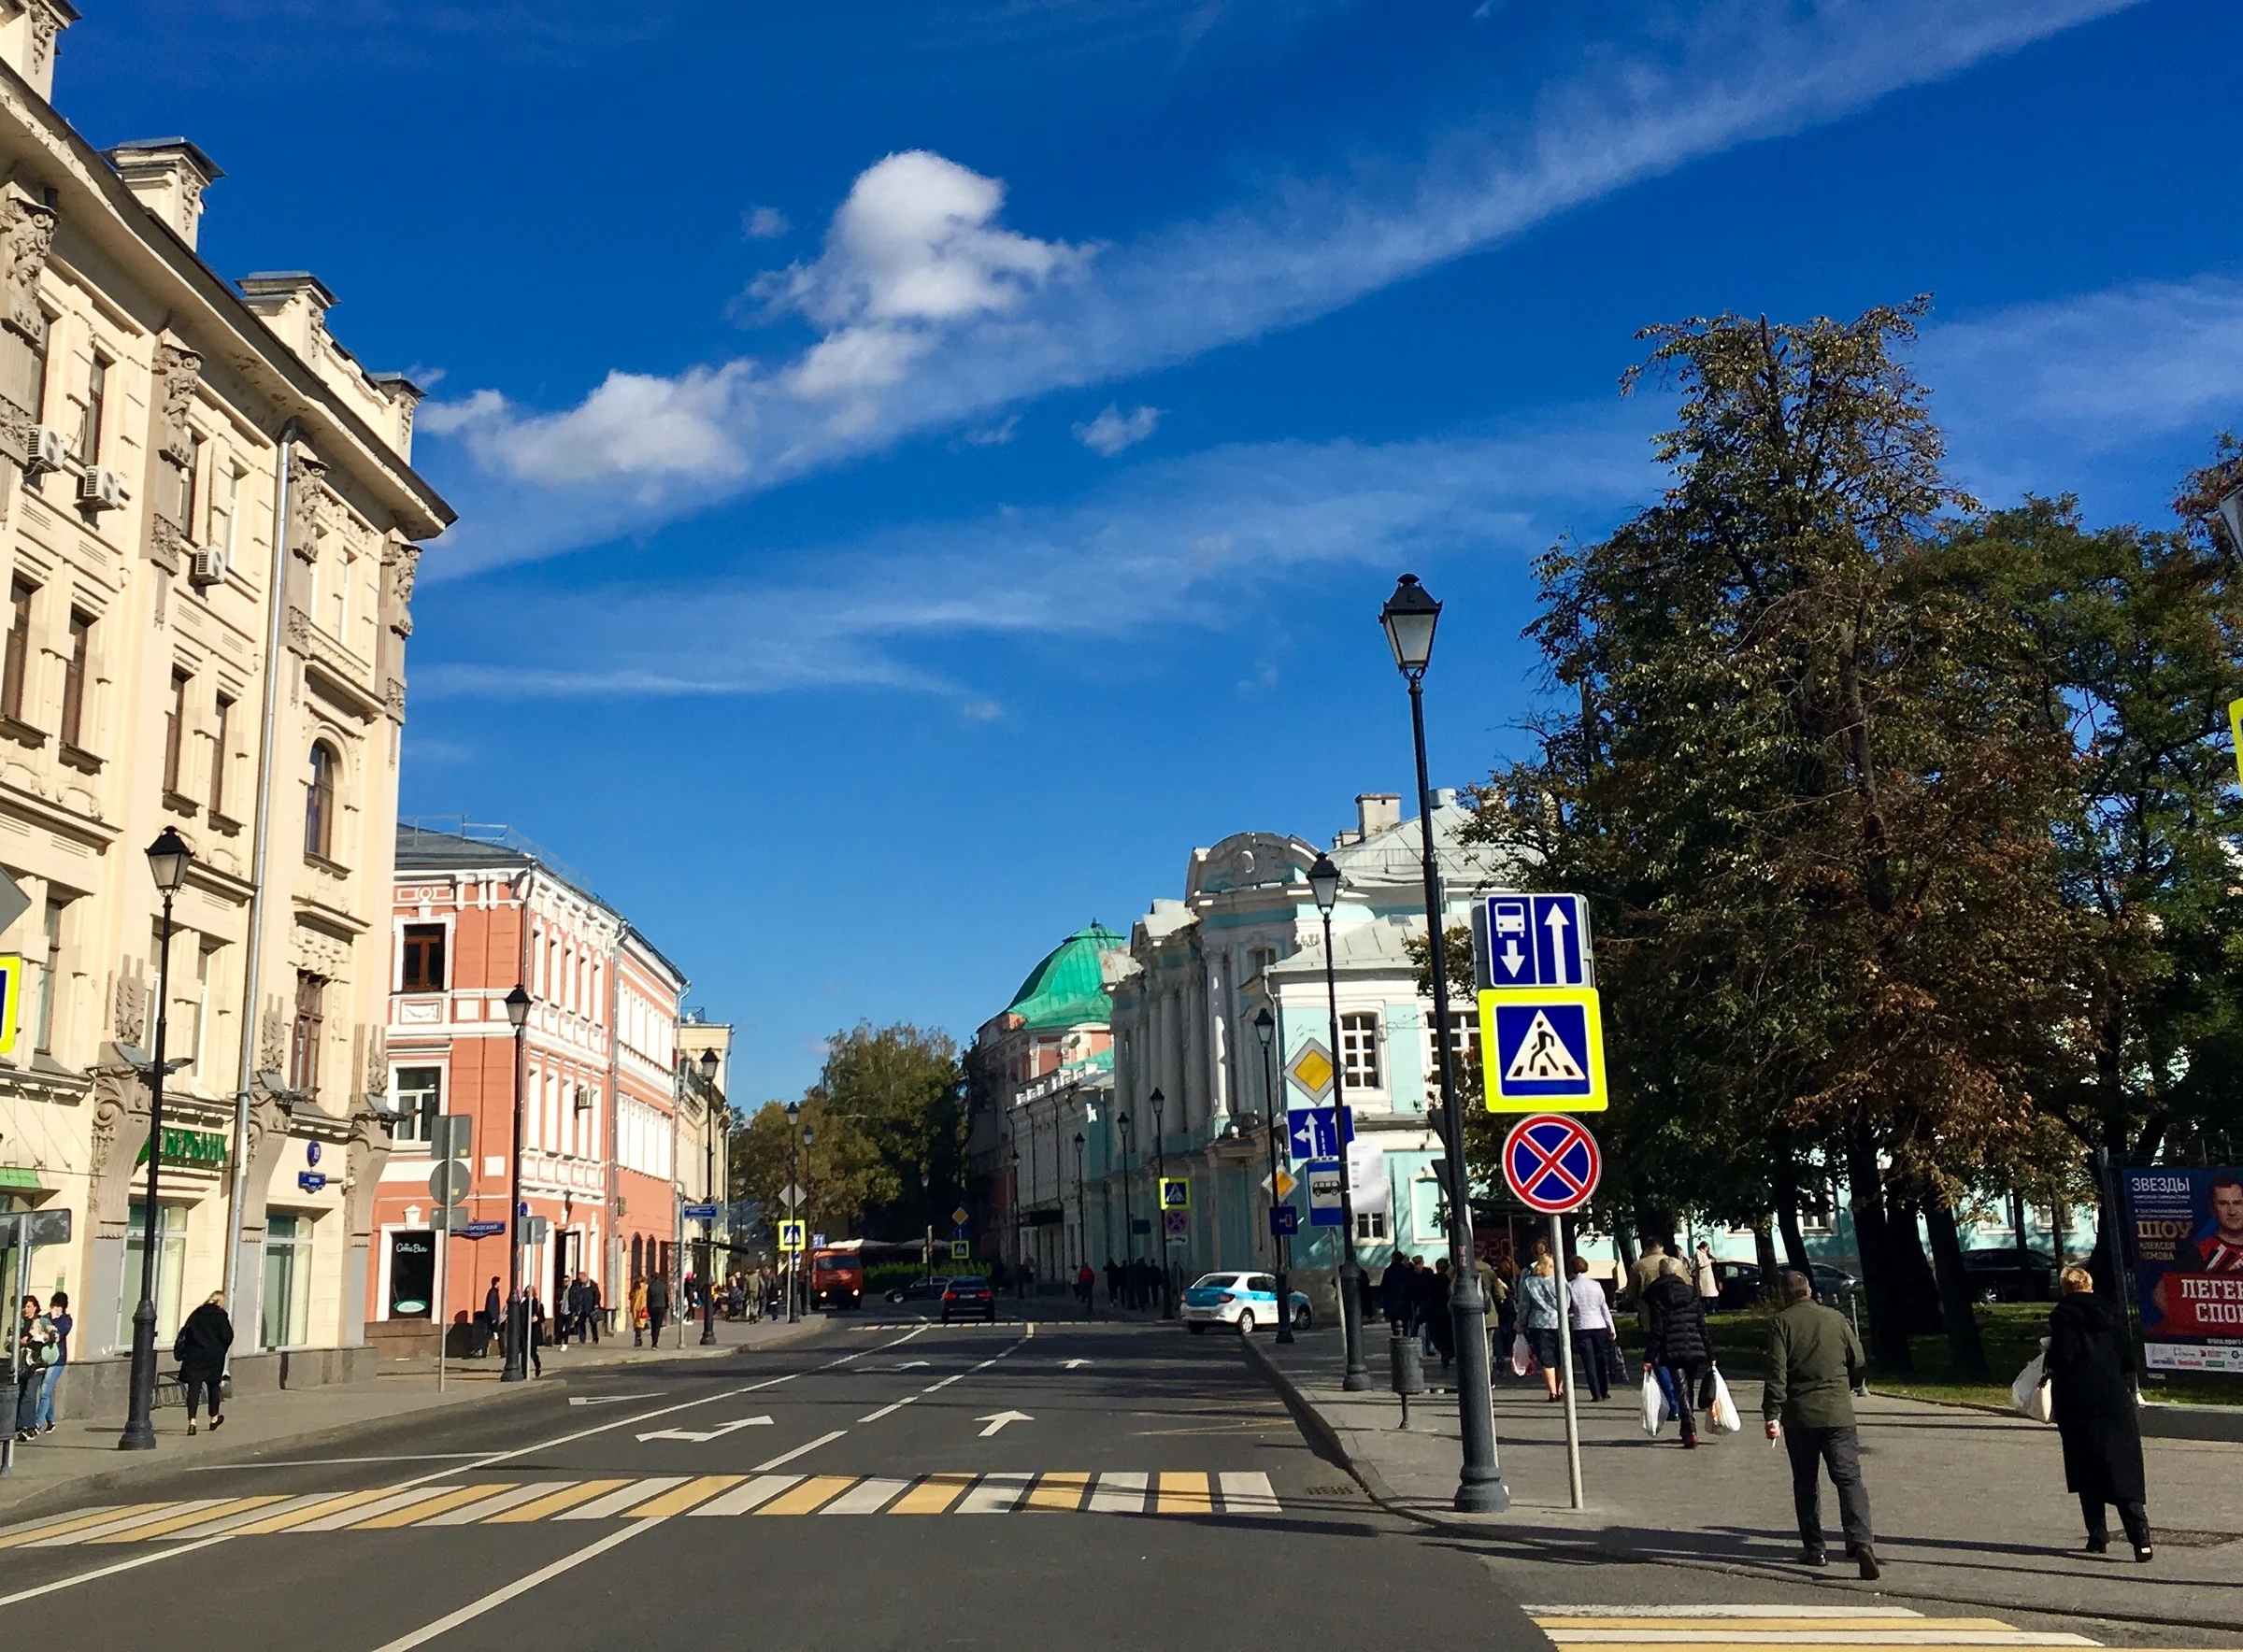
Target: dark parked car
967 1297
1740 1283
920 1291
2008 1274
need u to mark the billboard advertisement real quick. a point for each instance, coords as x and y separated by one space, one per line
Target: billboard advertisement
2188 1261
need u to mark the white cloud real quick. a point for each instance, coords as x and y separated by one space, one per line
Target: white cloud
932 315
1111 431
766 223
994 435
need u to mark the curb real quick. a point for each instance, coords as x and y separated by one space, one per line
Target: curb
36 1499
1324 1439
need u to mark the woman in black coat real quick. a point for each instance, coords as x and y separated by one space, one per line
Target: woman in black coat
1676 1339
2090 1369
200 1351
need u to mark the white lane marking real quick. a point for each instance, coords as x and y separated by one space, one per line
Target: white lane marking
326 1462
605 1399
101 1508
987 1363
614 1503
745 1499
703 1438
786 1457
994 1495
945 1383
1248 1494
1119 1494
997 1419
1721 1611
521 1586
101 1571
1924 1633
912 1365
498 1502
886 1410
867 1496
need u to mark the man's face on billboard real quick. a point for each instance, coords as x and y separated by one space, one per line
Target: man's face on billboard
2227 1209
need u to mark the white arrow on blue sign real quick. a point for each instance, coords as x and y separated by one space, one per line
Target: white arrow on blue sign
1535 941
1314 1132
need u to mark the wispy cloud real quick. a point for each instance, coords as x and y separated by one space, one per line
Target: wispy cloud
1115 431
1142 550
932 313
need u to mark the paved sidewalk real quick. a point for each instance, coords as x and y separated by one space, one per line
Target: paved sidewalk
1970 1506
82 1457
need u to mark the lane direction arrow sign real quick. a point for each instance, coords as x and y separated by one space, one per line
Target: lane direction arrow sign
997 1419
703 1438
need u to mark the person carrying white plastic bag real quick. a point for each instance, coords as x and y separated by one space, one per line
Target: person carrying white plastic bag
1722 1412
1523 1357
1656 1409
2030 1392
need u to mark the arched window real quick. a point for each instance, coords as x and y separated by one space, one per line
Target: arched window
319 802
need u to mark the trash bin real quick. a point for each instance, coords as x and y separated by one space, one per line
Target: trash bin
1405 1363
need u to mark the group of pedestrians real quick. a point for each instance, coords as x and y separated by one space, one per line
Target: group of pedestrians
1136 1285
42 1355
1415 1298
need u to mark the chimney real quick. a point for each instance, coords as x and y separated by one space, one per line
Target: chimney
30 37
1375 811
293 303
168 175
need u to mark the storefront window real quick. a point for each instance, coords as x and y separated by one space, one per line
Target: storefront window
412 1272
171 1270
284 1315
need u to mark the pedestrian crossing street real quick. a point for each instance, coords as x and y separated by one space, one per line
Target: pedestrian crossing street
1795 1628
659 1496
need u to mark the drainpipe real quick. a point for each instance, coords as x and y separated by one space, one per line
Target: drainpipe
253 969
614 1289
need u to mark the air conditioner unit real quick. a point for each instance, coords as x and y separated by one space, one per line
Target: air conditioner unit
48 449
208 566
583 1098
101 488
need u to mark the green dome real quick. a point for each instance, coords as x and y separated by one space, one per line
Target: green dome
1067 987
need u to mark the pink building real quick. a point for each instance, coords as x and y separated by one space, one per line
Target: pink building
476 911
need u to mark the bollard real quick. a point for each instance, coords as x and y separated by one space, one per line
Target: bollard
8 1391
1405 1360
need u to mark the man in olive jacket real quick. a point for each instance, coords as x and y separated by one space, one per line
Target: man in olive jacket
1814 1360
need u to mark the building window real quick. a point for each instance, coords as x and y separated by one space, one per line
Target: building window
284 1315
1463 1049
74 678
194 1003
419 1098
1359 1050
18 649
303 1040
190 486
225 506
97 398
171 1270
1817 1213
1370 1224
219 736
423 957
1259 959
50 930
319 802
175 730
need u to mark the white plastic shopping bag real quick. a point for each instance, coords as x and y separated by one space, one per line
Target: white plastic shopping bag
1655 1408
1722 1412
1523 1357
2031 1391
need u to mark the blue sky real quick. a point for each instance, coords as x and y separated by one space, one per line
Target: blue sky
925 467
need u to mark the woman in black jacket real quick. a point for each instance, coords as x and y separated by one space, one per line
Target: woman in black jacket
200 1351
1677 1340
2090 1369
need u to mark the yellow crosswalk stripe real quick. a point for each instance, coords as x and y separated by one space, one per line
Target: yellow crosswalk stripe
567 1498
1185 1494
1793 1623
44 1531
287 1518
1794 1629
147 1532
413 1514
808 1497
1057 1494
23 1531
686 1496
933 1495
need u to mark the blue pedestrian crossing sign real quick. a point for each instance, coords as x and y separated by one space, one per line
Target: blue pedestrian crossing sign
1545 1050
790 1235
1532 941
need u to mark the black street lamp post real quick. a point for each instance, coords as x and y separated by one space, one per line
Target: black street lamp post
1082 1221
788 1258
708 1191
1159 1204
1265 1028
518 1306
1323 883
169 858
1129 1214
1410 618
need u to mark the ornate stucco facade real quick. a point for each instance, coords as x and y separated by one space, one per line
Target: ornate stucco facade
210 526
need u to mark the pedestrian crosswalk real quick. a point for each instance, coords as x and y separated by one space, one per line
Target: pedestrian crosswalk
1164 1491
1794 1629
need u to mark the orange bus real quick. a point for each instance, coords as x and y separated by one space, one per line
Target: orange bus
836 1278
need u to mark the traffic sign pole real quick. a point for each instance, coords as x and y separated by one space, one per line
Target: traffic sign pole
1573 1418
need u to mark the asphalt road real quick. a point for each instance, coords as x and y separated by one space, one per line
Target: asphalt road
1150 1492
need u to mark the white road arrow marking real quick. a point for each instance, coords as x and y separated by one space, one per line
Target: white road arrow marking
606 1399
1071 1364
702 1438
913 1365
997 1419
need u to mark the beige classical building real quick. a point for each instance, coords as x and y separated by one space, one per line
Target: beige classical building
209 526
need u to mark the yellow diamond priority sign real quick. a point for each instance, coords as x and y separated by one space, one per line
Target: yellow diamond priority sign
1312 1069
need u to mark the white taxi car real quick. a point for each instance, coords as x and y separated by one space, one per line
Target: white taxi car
1241 1301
